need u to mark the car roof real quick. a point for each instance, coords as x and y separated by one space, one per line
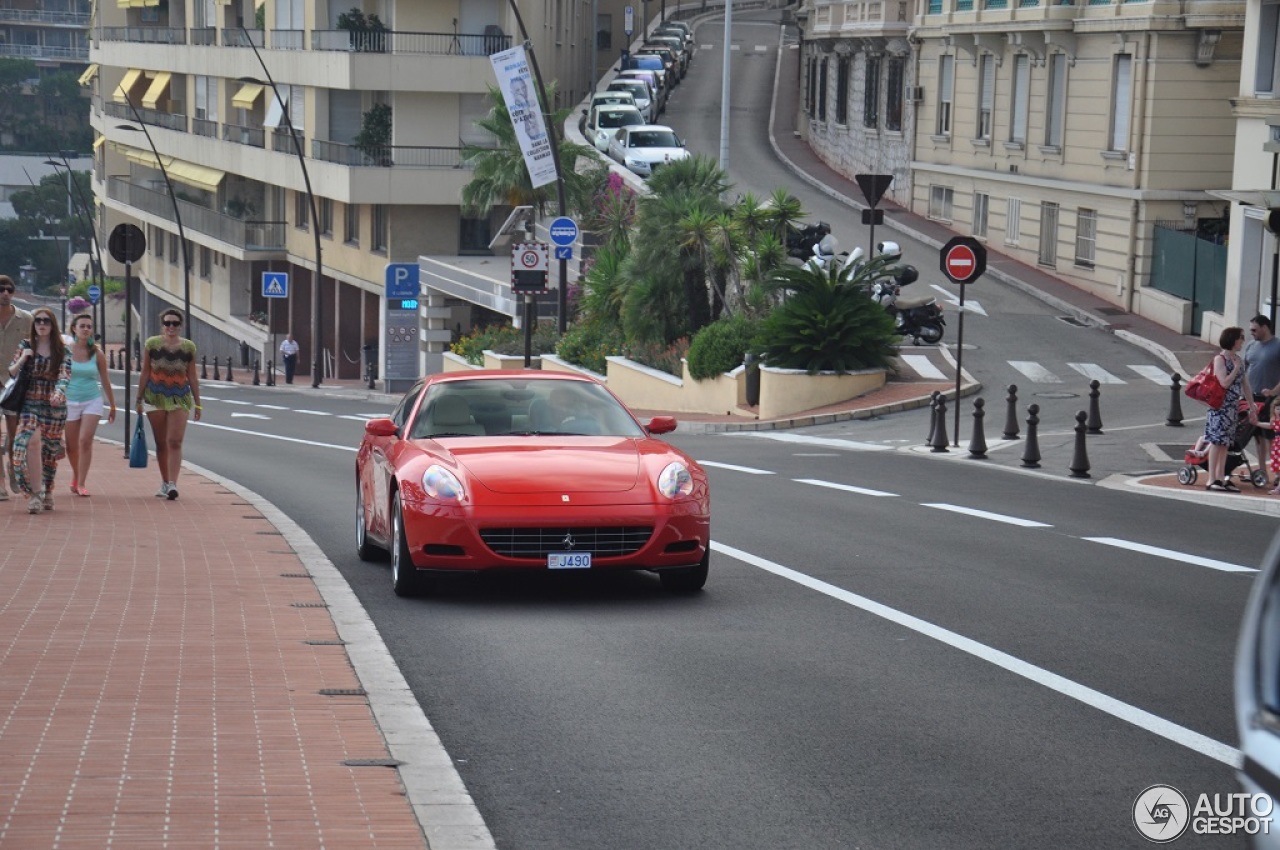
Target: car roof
640 128
615 109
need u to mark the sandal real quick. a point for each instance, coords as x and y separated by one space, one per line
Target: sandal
1230 486
80 491
1215 485
74 491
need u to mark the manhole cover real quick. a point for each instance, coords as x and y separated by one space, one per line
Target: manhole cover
1056 395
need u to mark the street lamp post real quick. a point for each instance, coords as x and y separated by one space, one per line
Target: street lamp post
86 218
317 307
177 215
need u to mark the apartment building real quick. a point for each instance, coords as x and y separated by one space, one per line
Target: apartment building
381 108
52 33
1066 135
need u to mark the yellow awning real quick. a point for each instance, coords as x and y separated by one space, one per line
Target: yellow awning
88 75
125 89
248 94
136 4
159 86
199 176
98 142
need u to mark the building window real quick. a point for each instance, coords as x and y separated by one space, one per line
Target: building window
1013 221
157 239
1056 105
940 198
946 80
379 235
986 95
206 262
1086 237
1121 94
351 230
981 205
173 250
842 90
474 236
301 210
822 90
1019 99
893 91
871 94
1268 48
811 88
326 216
1048 234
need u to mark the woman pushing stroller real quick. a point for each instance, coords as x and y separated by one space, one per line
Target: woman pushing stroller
1220 423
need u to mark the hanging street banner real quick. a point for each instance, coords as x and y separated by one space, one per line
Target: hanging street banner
516 82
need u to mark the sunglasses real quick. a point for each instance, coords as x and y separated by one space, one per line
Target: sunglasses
172 324
42 320
6 289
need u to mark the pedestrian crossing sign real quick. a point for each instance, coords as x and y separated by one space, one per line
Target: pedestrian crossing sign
275 285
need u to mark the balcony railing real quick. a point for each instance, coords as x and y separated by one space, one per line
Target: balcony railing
145 35
282 142
37 51
204 36
387 156
70 19
154 117
237 38
391 41
252 136
287 40
204 127
249 235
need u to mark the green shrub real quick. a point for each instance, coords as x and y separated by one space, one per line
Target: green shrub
587 344
544 341
661 356
720 347
504 339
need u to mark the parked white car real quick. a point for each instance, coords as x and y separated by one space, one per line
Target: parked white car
640 91
647 147
604 121
611 98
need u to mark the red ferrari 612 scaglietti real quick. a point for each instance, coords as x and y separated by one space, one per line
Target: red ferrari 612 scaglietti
527 470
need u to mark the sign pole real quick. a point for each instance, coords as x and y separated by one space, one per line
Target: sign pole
963 260
959 363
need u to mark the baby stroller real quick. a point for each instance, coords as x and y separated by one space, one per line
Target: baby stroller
1235 454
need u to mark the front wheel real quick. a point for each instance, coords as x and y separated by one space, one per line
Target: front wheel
686 579
405 579
931 334
1187 475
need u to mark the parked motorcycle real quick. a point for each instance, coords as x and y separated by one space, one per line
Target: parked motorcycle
802 240
918 318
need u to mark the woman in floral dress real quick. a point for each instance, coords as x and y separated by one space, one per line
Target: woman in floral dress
44 410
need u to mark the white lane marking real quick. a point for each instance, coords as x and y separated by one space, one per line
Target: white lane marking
1094 699
970 306
1094 372
1010 520
271 406
249 416
781 437
735 468
1181 557
314 412
922 366
761 48
360 417
236 401
1154 374
280 437
848 488
1035 371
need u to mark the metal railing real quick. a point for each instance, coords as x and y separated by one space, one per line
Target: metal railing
282 142
204 127
37 51
204 36
236 38
252 136
154 117
71 19
249 235
392 41
145 35
387 156
287 39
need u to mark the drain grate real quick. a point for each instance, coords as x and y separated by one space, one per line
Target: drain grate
1056 395
295 575
325 642
308 605
372 762
1072 320
276 533
342 692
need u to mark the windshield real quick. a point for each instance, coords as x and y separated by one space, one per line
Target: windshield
619 118
521 407
638 90
654 139
652 63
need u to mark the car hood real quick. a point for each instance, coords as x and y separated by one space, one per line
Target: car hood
656 154
554 465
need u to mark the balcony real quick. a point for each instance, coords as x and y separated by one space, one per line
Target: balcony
246 235
387 156
39 51
79 20
421 43
144 35
254 137
168 120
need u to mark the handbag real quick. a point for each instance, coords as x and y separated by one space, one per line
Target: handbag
1206 388
138 448
14 393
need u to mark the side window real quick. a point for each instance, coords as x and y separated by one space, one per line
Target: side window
405 407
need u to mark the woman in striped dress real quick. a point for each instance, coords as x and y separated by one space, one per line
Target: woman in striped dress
44 410
169 391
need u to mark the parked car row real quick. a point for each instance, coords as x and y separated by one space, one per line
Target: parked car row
621 118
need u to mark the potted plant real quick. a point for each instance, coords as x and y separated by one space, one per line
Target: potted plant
374 138
368 32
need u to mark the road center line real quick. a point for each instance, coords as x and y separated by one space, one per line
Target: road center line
1094 699
273 436
1181 557
1011 520
805 439
750 470
848 488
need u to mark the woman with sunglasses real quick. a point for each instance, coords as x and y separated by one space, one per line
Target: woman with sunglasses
169 391
89 384
44 410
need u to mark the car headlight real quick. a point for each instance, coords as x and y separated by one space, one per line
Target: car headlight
636 163
675 481
442 484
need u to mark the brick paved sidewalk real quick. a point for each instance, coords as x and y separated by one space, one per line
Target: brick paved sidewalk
163 678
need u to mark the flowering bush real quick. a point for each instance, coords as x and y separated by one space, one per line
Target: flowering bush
665 358
76 306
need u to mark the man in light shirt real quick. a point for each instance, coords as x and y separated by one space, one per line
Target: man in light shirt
15 326
289 356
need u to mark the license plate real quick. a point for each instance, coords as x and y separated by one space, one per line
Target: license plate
569 560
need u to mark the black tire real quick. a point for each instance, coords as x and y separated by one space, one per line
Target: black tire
1187 475
1259 478
405 578
686 579
365 549
930 334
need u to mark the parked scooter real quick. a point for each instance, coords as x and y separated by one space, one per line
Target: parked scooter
918 318
802 240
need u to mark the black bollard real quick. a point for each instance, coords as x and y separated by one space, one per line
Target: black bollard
978 442
1011 414
1175 402
1080 458
933 417
256 379
271 373
217 375
1095 418
1031 452
204 367
940 440
111 358
229 378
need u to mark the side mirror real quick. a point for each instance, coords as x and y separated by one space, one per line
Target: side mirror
661 425
382 427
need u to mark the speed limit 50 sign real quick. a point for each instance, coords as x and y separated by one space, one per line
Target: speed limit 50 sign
528 267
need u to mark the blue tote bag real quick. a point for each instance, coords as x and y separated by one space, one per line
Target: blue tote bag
138 448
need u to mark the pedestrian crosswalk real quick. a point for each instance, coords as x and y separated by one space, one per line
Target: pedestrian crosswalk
925 366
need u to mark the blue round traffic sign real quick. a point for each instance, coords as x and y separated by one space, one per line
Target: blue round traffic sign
95 292
564 231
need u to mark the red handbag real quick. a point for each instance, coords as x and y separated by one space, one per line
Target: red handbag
1206 388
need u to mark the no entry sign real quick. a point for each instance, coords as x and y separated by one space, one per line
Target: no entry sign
963 259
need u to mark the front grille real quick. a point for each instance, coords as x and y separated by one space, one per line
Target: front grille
601 542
